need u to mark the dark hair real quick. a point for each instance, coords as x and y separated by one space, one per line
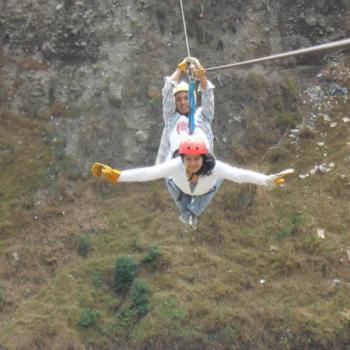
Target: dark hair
207 166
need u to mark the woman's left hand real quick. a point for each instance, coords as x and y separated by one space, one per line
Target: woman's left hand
276 180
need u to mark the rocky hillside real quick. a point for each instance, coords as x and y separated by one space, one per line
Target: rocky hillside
93 70
80 82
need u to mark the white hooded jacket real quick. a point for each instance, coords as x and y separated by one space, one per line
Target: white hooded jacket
176 170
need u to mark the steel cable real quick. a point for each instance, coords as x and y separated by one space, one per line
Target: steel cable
184 23
328 46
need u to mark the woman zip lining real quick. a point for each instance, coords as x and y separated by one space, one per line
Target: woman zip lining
194 177
185 159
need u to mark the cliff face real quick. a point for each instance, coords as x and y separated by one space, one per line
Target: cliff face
93 70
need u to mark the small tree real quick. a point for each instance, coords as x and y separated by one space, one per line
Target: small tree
140 297
152 254
89 317
124 273
83 244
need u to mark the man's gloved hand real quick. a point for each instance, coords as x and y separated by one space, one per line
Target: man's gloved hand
276 180
197 69
111 175
194 61
184 64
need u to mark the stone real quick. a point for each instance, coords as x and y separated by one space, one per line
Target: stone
141 136
154 92
115 95
321 233
330 29
311 20
15 256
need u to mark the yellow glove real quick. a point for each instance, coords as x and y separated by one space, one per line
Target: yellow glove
277 180
111 175
197 69
96 169
194 61
183 64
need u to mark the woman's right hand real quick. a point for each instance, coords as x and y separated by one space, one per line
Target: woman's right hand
105 171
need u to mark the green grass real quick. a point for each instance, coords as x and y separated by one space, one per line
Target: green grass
230 305
24 165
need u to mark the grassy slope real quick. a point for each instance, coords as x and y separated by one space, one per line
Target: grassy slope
206 289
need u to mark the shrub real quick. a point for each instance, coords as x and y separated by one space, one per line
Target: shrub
124 273
83 244
89 317
286 120
296 223
292 88
283 234
140 297
256 82
126 316
96 278
152 254
295 227
307 133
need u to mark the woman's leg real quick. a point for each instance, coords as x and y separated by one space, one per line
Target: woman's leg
181 199
200 203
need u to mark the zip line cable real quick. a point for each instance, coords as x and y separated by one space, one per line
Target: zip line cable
307 50
323 47
191 92
184 22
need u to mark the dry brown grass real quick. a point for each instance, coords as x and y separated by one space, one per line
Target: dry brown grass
31 63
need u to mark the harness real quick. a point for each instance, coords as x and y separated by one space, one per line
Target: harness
181 194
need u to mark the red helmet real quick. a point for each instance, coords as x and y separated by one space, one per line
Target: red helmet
193 145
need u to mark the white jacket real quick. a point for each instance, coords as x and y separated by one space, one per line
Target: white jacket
175 169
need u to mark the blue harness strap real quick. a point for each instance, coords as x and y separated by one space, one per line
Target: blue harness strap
192 104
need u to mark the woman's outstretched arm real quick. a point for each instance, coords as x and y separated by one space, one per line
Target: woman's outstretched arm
136 175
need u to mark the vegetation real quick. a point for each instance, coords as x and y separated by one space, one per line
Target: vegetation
256 275
124 273
140 297
286 120
152 255
89 317
83 244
